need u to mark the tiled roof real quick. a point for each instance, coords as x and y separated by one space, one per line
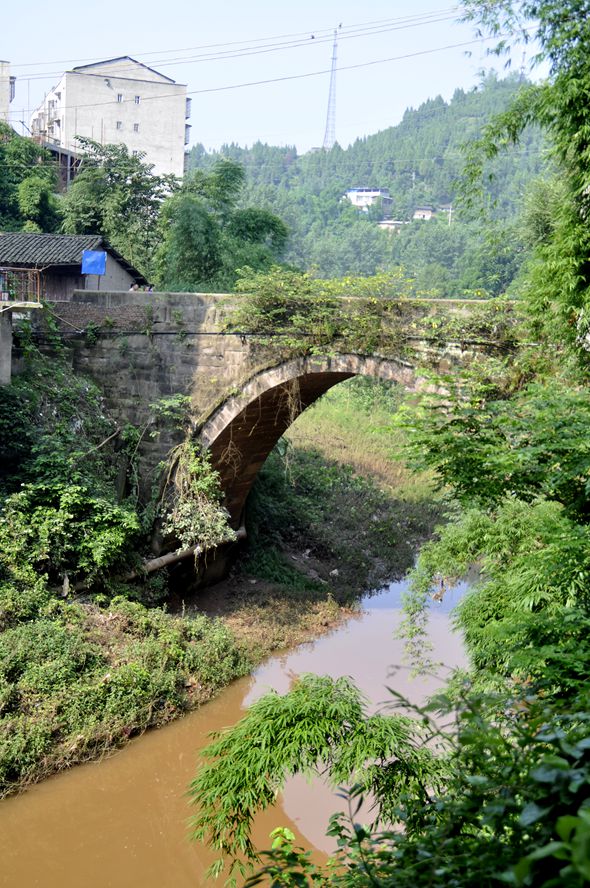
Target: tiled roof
31 250
41 250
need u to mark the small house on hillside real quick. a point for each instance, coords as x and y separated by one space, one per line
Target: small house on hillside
424 213
58 258
394 226
363 198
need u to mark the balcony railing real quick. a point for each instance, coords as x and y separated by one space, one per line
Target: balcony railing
20 288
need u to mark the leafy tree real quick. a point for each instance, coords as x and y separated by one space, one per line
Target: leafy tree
257 226
542 206
206 238
320 723
532 444
28 180
38 204
190 255
559 290
117 195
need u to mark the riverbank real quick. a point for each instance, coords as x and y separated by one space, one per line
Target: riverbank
78 679
123 821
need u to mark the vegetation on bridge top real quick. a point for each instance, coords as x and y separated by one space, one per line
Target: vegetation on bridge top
292 313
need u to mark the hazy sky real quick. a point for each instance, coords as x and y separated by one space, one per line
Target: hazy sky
215 46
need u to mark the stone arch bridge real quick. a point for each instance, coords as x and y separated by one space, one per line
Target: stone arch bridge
245 389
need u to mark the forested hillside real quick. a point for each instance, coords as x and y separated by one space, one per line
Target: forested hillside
420 161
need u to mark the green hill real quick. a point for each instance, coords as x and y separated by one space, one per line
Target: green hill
419 161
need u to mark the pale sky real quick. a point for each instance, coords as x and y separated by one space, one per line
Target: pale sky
254 41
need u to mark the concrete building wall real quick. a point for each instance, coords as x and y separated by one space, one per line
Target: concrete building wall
5 347
6 90
115 278
118 103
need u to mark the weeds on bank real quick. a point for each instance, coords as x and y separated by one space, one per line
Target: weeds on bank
319 524
77 680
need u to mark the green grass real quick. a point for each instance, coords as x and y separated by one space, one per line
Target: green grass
336 509
353 425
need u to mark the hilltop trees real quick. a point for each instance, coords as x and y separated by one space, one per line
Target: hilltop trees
420 162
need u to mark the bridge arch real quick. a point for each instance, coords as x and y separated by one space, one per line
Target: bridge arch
242 431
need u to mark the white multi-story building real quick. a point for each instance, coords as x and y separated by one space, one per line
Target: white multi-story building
6 90
118 101
363 198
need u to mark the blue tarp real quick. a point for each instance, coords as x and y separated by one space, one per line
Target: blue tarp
94 262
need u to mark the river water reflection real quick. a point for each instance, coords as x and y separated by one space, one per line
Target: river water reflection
122 822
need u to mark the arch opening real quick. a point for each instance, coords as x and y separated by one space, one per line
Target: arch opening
242 432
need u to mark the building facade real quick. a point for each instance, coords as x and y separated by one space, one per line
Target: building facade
118 101
423 214
363 198
7 84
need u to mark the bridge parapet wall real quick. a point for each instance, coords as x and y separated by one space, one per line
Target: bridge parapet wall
143 346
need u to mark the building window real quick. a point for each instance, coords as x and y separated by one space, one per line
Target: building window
137 100
135 127
119 124
119 97
135 153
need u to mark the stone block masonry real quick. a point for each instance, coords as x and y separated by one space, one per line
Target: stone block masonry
244 390
5 347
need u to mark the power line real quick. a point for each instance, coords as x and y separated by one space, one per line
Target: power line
287 77
343 163
252 51
409 55
318 33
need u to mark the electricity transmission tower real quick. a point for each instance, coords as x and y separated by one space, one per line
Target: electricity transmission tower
330 134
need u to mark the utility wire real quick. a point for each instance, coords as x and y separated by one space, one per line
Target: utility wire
235 54
284 78
345 164
251 51
318 34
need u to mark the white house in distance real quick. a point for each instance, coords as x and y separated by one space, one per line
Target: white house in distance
424 213
363 198
118 101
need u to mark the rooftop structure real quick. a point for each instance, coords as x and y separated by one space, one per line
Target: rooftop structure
58 257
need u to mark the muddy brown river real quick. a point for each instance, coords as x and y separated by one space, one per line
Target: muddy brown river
122 822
